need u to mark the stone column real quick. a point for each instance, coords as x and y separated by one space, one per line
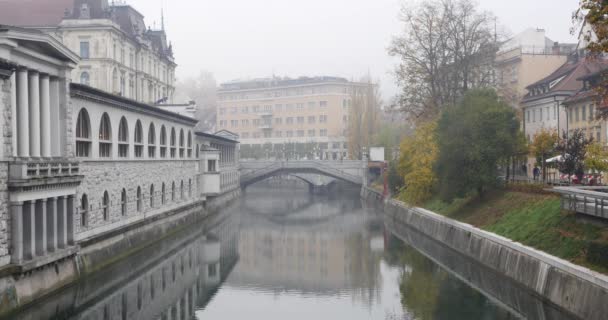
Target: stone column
17 232
34 86
62 236
51 226
45 116
40 222
23 127
29 228
70 220
55 117
14 115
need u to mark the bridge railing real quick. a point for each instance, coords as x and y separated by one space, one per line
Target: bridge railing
303 164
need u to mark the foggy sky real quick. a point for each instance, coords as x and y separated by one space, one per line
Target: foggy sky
236 39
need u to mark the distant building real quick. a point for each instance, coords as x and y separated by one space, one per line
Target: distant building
186 109
282 113
526 58
119 54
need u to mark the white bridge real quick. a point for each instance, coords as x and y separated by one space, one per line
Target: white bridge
352 171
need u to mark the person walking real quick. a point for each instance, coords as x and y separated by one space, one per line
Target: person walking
536 173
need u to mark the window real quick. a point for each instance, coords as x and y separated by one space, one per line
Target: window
83 134
151 141
139 200
278 108
85 78
84 210
163 194
300 133
123 202
323 104
172 142
234 123
173 191
541 115
181 143
300 120
105 137
139 140
152 196
163 142
245 123
289 120
84 50
278 120
190 145
311 133
189 188
576 113
584 113
312 119
105 206
245 109
278 134
212 270
300 106
289 134
123 138
211 166
181 190
323 132
322 119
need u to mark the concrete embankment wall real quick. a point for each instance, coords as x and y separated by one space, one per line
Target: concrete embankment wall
18 290
575 289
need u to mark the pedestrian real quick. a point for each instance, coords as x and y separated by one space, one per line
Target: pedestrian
536 173
524 169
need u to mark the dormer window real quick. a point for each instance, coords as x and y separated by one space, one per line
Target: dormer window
84 11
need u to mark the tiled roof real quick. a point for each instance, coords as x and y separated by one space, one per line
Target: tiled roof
34 13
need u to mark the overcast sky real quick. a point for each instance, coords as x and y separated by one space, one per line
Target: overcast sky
236 39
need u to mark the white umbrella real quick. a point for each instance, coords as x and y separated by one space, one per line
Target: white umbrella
555 159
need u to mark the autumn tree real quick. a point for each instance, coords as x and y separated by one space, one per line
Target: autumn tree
363 117
596 157
572 149
543 147
474 137
447 48
417 161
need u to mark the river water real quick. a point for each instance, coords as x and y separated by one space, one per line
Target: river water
281 253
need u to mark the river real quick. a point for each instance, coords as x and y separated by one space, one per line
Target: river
281 253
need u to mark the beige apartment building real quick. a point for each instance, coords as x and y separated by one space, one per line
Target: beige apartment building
525 59
288 118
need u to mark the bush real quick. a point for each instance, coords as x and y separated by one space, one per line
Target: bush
597 253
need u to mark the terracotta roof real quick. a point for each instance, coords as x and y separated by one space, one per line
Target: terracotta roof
34 13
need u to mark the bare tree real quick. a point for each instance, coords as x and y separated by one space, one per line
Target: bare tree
364 116
202 90
447 48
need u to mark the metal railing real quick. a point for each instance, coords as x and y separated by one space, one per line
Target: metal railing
45 168
303 164
586 200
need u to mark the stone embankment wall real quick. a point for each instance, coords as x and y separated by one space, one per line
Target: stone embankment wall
575 289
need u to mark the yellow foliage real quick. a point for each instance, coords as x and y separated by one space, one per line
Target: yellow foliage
596 157
418 156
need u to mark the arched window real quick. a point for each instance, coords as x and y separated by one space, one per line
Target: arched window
189 188
163 194
105 206
172 142
181 190
123 202
189 144
139 200
152 141
83 134
123 138
84 210
85 78
163 142
181 143
173 191
197 151
115 84
138 139
105 137
152 196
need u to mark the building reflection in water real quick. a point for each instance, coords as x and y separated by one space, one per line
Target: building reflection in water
309 245
167 281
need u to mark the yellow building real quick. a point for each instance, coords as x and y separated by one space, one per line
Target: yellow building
288 118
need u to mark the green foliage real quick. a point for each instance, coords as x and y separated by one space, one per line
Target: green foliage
473 138
418 157
543 147
596 158
573 149
597 253
395 180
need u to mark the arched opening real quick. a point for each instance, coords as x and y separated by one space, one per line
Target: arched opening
83 134
172 142
189 144
181 190
163 194
84 210
152 196
123 138
123 202
163 142
105 137
139 200
138 140
197 151
189 188
105 206
85 78
181 143
152 141
172 191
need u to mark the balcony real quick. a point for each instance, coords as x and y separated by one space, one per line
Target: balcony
265 126
21 170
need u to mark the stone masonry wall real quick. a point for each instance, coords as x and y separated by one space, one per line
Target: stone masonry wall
6 142
113 176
